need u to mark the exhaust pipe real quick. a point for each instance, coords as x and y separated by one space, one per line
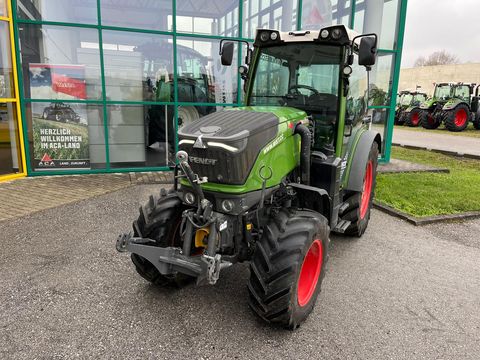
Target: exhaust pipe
306 137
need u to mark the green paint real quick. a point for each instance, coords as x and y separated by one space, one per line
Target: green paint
281 155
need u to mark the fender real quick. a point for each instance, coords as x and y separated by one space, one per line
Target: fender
360 158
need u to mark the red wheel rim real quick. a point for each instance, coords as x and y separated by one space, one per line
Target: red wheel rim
430 119
460 118
310 273
415 119
367 190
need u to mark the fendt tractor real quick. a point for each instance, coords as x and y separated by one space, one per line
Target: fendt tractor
408 109
451 104
267 182
457 111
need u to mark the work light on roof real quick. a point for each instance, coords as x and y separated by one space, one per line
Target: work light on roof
336 33
264 36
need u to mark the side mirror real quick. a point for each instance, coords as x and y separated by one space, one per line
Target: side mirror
227 53
367 53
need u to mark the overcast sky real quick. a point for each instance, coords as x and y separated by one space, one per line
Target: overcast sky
442 24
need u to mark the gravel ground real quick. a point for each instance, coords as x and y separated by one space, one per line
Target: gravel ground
401 292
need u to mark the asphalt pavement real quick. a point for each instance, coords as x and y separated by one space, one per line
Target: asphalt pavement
400 292
436 140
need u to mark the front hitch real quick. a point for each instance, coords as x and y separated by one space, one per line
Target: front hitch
172 260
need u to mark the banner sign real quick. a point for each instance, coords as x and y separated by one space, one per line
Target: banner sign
60 130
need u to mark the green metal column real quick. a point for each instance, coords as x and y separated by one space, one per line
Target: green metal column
396 76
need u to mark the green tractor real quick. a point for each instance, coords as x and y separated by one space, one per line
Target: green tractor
268 181
431 110
457 111
409 108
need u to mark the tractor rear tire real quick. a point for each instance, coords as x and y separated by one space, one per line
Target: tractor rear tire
159 220
360 203
412 118
457 119
429 121
288 267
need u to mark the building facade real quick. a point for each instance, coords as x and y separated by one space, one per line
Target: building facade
90 86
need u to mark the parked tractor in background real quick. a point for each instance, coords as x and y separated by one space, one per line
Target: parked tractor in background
452 105
431 109
457 111
409 108
267 182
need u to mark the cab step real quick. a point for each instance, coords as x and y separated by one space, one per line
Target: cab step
342 226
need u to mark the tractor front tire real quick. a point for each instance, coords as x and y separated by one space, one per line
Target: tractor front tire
288 267
159 220
412 118
457 119
360 203
476 122
429 121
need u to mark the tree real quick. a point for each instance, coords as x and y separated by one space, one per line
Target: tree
437 58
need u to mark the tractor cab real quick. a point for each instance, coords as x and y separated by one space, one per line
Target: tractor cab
443 91
319 72
463 91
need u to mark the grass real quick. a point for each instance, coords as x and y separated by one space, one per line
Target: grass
427 194
470 131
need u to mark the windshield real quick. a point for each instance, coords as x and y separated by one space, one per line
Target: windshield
442 92
462 92
419 98
406 99
300 75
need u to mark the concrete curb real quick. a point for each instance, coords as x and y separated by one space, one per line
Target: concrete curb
445 152
420 221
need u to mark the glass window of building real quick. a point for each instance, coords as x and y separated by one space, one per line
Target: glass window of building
201 76
273 14
141 135
3 8
74 11
317 14
149 15
60 62
214 17
380 17
138 66
10 153
6 70
381 78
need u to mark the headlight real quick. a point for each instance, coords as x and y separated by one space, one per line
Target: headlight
227 205
189 198
324 34
274 36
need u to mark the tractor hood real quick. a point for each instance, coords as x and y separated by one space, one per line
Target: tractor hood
224 145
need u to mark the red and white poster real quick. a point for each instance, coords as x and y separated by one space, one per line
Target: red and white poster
316 14
49 81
